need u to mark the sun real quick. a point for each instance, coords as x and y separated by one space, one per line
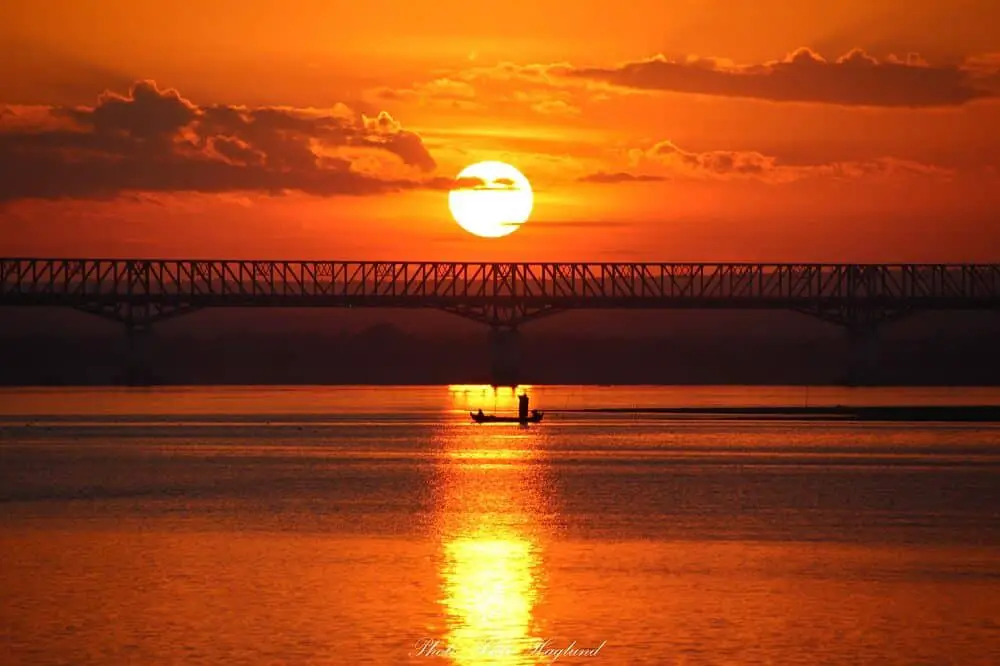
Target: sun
496 205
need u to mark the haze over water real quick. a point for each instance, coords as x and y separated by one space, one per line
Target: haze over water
358 525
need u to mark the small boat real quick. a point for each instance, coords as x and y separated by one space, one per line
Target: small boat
522 414
479 417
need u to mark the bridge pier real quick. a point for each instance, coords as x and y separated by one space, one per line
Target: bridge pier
504 366
862 354
138 365
138 292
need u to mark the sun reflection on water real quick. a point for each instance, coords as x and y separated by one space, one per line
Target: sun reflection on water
491 399
489 595
490 509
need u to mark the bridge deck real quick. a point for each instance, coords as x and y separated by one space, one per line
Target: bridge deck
521 290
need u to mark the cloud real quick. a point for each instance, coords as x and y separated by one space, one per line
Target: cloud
155 140
666 160
545 102
714 162
443 92
384 132
442 88
146 114
985 71
504 86
465 183
502 184
559 225
854 79
476 183
605 177
518 73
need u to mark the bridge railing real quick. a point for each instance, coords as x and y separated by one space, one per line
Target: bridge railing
194 280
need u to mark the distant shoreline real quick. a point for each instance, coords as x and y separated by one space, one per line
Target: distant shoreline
965 413
479 381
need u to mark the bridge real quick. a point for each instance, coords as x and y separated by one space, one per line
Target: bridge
858 297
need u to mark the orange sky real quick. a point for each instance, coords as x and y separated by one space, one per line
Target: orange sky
688 130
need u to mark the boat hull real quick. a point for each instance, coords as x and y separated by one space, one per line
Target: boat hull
492 418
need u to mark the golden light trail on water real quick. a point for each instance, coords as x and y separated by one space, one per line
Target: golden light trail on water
490 503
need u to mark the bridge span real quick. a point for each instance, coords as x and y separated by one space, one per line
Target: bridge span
140 292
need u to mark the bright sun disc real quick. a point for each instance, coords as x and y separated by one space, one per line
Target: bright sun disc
496 205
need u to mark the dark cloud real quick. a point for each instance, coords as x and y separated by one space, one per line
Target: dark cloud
666 159
146 114
605 177
502 184
155 140
715 162
476 183
237 151
855 79
442 183
385 132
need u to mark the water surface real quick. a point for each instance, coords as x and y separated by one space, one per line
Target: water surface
379 526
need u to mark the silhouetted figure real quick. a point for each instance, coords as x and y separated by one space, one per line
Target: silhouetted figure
522 414
522 407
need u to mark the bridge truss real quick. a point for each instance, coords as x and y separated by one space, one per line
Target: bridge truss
141 292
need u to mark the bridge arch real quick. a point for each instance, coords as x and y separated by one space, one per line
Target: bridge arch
141 292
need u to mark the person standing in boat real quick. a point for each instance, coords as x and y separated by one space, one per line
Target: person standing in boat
522 407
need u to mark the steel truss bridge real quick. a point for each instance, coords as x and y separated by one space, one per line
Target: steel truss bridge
141 292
